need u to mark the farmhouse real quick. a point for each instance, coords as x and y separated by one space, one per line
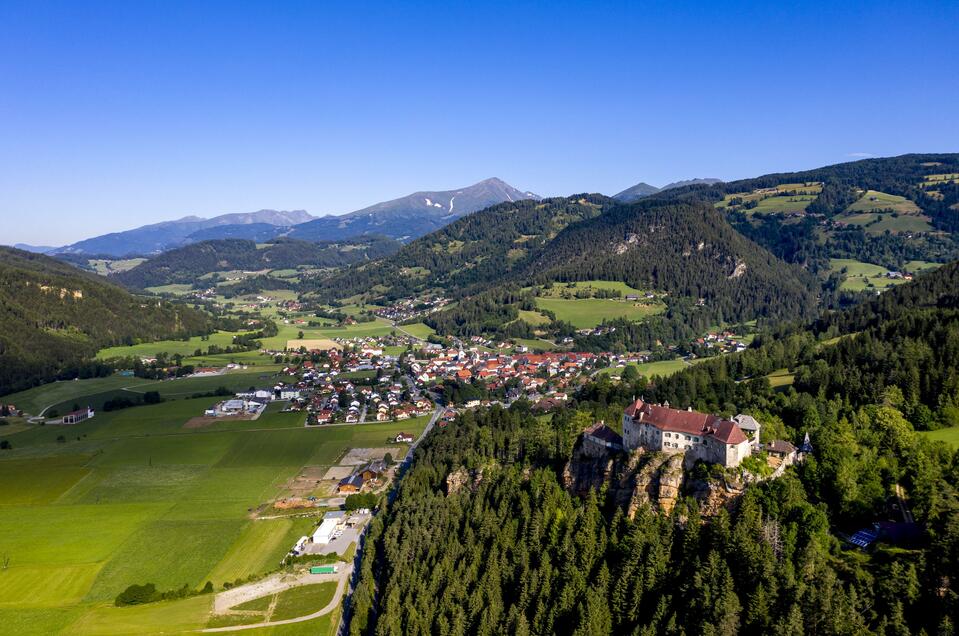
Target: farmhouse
75 417
350 484
702 436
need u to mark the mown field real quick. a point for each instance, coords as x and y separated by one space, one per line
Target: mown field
662 368
134 497
591 312
947 435
862 276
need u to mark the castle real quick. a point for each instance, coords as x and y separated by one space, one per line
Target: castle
655 427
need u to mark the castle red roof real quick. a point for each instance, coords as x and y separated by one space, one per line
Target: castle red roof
686 422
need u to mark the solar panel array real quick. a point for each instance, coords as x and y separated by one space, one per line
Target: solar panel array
864 537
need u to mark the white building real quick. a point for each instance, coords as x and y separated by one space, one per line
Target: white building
332 521
699 435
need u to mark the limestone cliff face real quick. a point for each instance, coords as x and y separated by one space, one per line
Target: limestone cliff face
715 495
646 479
463 478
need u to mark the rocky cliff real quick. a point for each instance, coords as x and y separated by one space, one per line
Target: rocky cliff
651 479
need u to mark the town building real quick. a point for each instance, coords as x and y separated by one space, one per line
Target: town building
658 428
599 440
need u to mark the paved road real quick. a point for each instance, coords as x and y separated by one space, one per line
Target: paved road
361 541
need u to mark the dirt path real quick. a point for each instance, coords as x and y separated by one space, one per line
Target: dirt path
273 585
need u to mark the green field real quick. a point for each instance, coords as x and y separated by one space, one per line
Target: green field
591 312
875 223
781 378
302 600
418 330
36 399
287 332
947 435
177 289
662 368
132 496
183 347
862 276
872 201
558 288
105 267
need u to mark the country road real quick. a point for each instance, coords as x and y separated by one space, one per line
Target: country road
272 585
361 542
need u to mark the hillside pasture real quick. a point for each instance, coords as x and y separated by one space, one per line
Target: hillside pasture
418 330
663 368
873 201
879 223
862 276
38 398
170 347
590 312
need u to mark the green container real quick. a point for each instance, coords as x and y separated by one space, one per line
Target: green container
323 569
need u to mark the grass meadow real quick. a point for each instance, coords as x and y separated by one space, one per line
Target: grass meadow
863 276
663 368
591 312
132 496
947 435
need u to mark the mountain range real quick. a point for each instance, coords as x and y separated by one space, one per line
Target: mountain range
159 237
403 219
643 189
411 216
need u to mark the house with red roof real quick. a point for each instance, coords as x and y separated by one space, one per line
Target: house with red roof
658 428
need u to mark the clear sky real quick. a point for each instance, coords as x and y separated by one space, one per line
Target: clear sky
113 115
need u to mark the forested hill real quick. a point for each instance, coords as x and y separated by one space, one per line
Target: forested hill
53 317
513 551
887 211
686 249
186 264
470 253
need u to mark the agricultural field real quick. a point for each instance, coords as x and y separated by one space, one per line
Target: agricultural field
171 347
34 400
105 267
591 312
558 289
782 199
863 276
939 179
418 330
878 212
132 496
177 289
287 332
662 368
873 200
947 435
780 379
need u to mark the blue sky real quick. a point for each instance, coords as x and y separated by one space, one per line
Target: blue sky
113 115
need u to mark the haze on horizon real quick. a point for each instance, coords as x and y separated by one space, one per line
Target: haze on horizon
115 115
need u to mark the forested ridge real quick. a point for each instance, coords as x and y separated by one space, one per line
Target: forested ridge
710 273
842 185
469 253
187 264
54 318
518 554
